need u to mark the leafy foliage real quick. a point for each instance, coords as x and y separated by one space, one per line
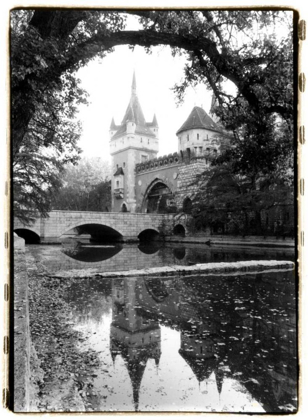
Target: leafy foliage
232 204
86 187
45 97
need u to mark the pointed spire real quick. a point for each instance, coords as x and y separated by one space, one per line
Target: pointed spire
112 125
219 374
134 114
154 122
134 85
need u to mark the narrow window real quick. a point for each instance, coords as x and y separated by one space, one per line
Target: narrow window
187 137
123 164
197 136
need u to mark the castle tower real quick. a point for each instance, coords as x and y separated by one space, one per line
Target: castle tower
133 141
199 134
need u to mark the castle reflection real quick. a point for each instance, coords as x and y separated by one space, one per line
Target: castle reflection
241 327
237 327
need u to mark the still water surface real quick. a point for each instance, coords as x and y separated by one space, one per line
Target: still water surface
193 343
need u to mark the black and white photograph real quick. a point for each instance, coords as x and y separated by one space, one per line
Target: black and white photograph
154 214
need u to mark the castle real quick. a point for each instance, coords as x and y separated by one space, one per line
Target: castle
145 183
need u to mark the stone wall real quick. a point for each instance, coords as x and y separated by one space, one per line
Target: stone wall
178 172
21 329
187 180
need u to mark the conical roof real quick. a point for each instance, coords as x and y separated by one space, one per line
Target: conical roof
136 370
134 114
154 123
198 118
219 374
113 125
202 367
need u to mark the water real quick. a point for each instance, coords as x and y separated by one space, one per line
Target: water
75 256
193 343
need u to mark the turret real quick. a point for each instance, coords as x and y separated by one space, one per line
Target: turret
199 134
131 142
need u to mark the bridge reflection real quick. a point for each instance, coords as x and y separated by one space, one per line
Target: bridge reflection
88 252
115 257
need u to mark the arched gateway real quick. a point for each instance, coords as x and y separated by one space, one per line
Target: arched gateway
158 198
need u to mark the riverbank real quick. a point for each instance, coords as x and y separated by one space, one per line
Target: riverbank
50 371
21 329
238 241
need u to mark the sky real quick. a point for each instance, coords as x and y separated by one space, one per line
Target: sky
108 83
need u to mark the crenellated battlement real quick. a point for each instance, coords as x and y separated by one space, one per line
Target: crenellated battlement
173 159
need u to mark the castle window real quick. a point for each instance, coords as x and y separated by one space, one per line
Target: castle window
197 136
196 150
118 184
187 137
144 158
148 141
123 164
117 166
141 140
200 150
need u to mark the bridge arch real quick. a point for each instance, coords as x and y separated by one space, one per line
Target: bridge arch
98 231
159 198
150 234
29 235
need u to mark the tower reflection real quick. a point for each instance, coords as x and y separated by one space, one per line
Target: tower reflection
132 336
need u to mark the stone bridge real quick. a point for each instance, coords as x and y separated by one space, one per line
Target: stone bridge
124 227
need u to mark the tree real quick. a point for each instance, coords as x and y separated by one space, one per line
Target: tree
48 46
86 187
226 203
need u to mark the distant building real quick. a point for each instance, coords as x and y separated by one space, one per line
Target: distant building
143 182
